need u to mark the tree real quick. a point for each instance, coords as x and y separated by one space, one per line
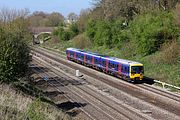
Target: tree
177 14
83 18
72 17
7 15
55 19
41 19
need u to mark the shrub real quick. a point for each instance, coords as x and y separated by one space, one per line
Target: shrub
66 34
73 29
103 34
177 14
14 56
151 30
81 41
91 29
170 52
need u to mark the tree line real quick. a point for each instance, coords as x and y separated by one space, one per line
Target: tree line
136 26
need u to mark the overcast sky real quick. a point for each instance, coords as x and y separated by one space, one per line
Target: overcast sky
62 6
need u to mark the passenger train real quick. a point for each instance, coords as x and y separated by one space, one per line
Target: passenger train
125 69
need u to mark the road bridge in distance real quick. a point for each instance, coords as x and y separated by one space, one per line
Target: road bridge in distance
36 31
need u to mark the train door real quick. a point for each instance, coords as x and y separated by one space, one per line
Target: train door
120 69
68 54
84 58
74 55
93 60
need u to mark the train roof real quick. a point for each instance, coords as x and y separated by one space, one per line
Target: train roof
87 52
128 62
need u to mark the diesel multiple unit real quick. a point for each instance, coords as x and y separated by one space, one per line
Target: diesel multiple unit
125 69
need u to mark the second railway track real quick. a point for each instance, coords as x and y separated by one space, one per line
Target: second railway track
164 100
105 108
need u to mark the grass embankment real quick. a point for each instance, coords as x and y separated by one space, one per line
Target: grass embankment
16 105
155 65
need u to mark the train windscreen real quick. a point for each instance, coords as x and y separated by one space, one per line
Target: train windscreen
137 69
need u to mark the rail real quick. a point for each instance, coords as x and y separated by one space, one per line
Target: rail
166 84
156 81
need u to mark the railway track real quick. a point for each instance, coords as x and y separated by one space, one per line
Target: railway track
104 106
160 91
164 100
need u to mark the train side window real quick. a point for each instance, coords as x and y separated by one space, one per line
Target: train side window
112 66
122 69
109 65
125 69
104 63
82 56
116 67
95 61
72 54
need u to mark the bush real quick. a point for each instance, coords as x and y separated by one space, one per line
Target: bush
73 29
103 34
81 41
14 56
91 29
66 34
151 30
107 33
177 14
170 52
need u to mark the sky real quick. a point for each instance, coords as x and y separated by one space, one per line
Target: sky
62 6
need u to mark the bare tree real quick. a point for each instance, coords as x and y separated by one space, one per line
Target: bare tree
55 19
72 17
7 14
83 18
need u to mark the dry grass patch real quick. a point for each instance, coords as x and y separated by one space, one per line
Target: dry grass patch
15 105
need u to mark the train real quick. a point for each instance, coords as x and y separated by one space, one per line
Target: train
121 68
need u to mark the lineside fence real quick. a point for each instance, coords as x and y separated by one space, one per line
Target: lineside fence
166 84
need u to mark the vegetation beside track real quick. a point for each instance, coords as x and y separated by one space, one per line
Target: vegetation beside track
16 105
19 99
151 37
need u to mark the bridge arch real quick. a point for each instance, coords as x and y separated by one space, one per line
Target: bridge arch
36 35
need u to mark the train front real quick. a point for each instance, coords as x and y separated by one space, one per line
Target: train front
136 72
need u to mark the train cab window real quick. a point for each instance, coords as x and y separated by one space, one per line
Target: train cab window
137 69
